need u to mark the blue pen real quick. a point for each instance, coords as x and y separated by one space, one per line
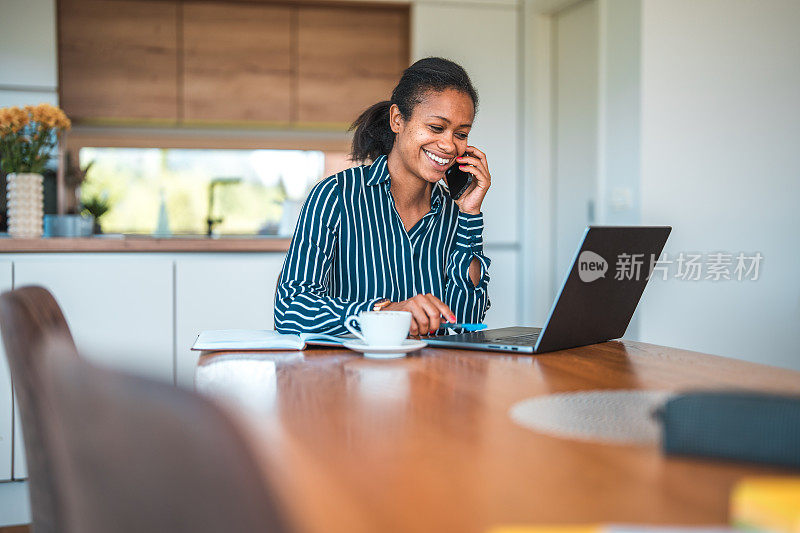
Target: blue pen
466 327
462 327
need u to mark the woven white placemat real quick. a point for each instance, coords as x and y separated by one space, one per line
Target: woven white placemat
616 416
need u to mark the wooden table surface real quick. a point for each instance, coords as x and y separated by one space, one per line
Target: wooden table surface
425 443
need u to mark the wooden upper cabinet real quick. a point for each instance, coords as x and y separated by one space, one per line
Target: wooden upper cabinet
118 59
348 59
193 61
237 62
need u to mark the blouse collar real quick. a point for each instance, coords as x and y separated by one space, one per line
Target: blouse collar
378 173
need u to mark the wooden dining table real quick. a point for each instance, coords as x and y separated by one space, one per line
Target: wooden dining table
426 443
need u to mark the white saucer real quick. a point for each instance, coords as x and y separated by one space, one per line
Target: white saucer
385 352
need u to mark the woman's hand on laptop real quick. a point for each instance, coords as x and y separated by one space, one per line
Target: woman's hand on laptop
426 313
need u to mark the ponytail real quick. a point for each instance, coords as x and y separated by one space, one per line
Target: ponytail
373 136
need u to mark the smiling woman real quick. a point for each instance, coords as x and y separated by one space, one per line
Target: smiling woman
387 235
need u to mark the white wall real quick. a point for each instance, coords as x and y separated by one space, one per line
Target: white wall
619 119
28 72
575 113
619 97
721 163
491 57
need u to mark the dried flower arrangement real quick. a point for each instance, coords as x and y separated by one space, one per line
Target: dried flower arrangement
28 136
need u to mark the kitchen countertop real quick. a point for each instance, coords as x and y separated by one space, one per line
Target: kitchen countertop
129 243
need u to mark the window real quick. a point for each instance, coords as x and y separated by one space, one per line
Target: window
258 191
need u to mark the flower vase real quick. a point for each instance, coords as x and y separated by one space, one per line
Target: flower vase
25 195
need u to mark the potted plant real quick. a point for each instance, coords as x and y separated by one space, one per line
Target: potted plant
96 206
28 136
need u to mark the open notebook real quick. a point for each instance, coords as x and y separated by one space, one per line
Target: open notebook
262 339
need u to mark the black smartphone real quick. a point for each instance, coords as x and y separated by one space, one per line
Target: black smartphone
458 181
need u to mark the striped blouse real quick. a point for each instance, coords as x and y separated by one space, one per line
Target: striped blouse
350 250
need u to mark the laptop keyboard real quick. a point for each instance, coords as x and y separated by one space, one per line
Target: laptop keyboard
518 340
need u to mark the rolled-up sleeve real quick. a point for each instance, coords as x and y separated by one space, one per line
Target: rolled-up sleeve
468 301
303 303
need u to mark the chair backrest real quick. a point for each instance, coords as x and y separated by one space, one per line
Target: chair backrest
27 316
142 455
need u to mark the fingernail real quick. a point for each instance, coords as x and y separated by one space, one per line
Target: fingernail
452 318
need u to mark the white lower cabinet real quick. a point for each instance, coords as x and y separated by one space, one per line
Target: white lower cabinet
119 309
20 470
139 313
223 293
6 398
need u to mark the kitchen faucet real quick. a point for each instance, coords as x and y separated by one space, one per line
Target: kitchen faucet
210 220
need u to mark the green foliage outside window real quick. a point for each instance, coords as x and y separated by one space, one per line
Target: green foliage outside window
132 178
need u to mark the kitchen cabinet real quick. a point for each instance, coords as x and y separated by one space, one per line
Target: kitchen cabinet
221 293
237 63
139 312
348 59
228 62
6 399
119 309
118 60
20 470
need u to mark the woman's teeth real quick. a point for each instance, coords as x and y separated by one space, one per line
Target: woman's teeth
436 159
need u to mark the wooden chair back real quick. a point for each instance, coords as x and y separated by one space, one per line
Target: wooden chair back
27 317
143 455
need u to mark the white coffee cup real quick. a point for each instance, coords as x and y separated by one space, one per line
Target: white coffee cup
380 328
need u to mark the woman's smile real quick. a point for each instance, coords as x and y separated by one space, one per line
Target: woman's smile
430 139
439 162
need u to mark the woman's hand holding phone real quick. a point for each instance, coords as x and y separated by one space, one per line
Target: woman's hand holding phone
474 162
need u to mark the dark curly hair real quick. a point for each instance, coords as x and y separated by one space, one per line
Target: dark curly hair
373 136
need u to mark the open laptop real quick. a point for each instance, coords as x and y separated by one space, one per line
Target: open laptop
596 301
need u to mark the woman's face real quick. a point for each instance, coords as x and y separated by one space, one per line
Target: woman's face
435 134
